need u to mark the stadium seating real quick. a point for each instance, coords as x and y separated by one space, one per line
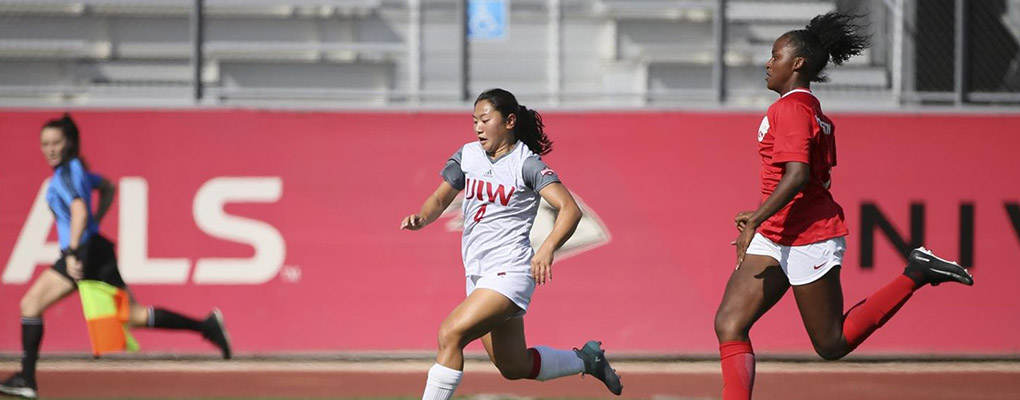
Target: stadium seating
613 51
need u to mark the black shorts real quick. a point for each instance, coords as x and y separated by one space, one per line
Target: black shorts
99 262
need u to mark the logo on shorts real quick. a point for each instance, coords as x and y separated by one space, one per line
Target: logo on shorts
820 265
501 274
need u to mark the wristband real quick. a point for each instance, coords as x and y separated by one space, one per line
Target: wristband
71 252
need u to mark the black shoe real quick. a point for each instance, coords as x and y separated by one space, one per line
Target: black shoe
596 364
935 270
216 332
18 386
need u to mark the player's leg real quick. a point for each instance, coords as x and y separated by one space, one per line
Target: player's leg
509 352
835 334
212 327
49 288
821 308
752 290
479 313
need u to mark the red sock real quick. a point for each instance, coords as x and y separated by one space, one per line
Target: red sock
536 363
737 370
871 313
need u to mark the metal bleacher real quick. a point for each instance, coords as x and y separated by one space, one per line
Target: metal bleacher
359 52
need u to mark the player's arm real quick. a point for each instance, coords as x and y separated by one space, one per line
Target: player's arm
75 184
544 181
795 177
453 182
433 207
79 217
568 215
107 191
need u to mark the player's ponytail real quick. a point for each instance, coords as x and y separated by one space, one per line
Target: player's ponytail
531 131
832 36
529 127
69 128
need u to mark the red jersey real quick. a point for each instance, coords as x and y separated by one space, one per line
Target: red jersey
794 129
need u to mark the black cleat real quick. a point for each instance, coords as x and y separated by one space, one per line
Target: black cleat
18 386
596 364
935 270
216 332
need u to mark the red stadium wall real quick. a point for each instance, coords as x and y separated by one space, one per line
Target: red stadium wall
306 207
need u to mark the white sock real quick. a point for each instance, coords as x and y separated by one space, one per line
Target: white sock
557 363
442 383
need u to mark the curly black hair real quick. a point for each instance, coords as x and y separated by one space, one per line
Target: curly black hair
828 36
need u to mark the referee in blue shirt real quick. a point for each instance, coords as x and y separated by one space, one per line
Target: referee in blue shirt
84 254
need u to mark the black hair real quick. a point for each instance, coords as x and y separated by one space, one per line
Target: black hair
828 36
71 135
529 127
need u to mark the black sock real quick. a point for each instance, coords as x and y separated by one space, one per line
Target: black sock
31 338
166 319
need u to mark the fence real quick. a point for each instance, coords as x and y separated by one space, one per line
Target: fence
439 53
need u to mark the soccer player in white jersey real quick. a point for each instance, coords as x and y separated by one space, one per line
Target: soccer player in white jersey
502 176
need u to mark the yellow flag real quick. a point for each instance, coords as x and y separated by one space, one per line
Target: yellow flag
106 309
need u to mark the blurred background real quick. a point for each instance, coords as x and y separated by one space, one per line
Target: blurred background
266 150
436 53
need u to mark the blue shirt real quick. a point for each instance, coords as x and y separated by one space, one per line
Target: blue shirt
71 181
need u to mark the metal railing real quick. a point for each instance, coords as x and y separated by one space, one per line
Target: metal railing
418 53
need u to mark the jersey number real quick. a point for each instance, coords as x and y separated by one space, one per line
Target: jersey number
480 213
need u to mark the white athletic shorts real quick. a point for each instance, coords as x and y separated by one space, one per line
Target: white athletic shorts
802 264
516 286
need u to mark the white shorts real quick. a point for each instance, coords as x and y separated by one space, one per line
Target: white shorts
802 264
516 286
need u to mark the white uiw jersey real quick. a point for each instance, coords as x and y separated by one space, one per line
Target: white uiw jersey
500 203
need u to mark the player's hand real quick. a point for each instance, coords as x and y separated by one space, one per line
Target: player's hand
74 267
413 222
541 266
742 242
741 219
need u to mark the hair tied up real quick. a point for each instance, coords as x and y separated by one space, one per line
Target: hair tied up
529 127
840 35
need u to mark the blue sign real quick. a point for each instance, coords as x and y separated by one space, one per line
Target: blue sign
488 19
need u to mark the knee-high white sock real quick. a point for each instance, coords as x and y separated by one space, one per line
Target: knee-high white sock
553 363
442 383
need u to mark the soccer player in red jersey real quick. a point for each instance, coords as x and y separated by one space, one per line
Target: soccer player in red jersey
796 236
